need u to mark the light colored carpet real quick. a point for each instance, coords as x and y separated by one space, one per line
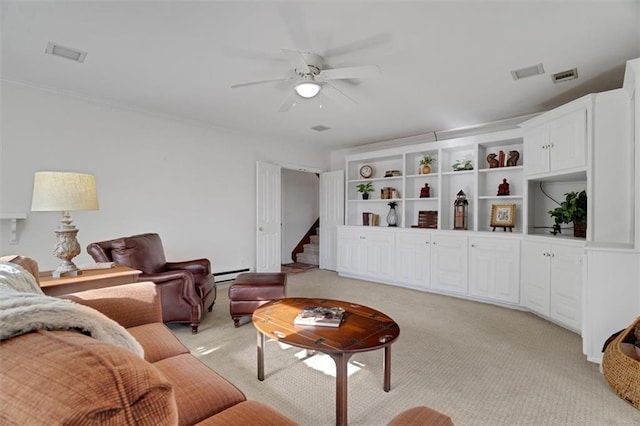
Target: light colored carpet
478 363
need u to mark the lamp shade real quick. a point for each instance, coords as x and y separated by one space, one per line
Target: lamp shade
64 191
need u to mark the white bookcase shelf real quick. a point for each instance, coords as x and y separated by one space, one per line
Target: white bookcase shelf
480 184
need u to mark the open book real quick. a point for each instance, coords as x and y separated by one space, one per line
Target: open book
321 316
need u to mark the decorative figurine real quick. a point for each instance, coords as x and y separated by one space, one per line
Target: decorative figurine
460 211
491 159
513 158
503 188
392 216
424 192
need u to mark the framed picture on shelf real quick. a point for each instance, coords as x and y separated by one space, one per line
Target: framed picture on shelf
503 216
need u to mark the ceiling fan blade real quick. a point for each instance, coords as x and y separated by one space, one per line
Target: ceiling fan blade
349 72
253 83
289 102
365 43
296 59
338 96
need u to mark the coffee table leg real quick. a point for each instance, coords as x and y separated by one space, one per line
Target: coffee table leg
387 368
260 346
342 361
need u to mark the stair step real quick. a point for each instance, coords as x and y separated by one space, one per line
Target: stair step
315 239
311 248
309 259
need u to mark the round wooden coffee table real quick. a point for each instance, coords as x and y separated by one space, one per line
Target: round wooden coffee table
363 329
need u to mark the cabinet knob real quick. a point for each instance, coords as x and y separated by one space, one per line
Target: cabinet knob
545 254
363 238
434 243
473 245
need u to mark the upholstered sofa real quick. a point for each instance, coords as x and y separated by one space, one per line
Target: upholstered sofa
66 376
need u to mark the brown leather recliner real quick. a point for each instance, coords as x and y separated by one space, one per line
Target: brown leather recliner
186 288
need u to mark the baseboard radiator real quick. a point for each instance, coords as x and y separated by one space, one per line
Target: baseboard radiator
229 275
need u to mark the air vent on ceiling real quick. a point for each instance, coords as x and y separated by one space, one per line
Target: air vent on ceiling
527 72
565 75
65 52
320 128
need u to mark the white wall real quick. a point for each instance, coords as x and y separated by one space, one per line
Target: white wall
193 185
300 208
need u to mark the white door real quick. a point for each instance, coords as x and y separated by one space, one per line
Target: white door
449 264
268 225
535 276
568 140
331 216
494 264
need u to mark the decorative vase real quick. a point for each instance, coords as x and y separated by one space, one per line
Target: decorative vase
426 169
392 216
580 229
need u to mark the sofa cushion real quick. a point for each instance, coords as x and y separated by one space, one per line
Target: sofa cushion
143 252
65 377
158 341
251 413
200 392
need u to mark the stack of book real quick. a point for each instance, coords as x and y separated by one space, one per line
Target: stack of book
370 219
427 219
392 173
320 316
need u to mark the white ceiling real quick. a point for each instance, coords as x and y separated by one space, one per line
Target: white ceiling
444 65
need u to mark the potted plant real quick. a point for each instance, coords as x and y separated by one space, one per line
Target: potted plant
365 189
425 163
572 210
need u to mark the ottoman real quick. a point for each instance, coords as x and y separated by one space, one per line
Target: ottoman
251 290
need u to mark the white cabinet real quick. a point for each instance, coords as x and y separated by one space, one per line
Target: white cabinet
552 281
367 253
449 263
494 269
413 258
556 142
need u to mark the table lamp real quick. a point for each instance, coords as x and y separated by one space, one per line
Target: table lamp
65 192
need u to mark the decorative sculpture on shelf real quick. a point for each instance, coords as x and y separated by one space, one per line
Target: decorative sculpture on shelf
424 192
513 158
503 188
392 216
491 159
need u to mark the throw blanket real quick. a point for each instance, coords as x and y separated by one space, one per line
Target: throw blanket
24 308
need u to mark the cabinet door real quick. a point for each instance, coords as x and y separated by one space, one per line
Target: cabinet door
494 269
379 256
568 141
536 146
449 264
412 259
535 276
349 252
566 285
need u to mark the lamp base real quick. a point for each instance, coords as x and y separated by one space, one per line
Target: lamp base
56 274
67 247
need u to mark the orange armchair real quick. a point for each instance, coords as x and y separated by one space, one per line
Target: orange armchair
186 288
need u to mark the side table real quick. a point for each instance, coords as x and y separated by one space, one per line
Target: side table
88 280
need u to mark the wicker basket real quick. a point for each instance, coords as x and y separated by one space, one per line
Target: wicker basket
621 371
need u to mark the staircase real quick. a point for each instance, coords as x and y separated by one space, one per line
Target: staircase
311 251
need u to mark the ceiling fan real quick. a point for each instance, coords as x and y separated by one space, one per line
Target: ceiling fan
310 78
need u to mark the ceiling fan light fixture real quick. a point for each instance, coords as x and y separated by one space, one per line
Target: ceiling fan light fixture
307 89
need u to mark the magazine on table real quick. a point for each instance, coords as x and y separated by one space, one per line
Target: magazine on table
320 315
